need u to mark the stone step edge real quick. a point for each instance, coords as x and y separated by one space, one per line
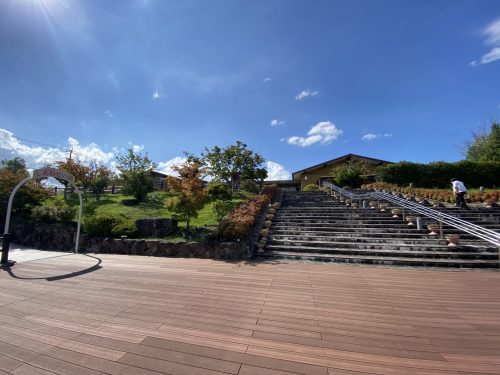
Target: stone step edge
385 259
422 253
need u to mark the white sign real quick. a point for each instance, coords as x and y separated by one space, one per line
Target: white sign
52 172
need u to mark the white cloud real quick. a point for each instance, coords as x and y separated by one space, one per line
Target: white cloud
304 141
305 93
157 95
166 166
276 171
137 148
491 56
492 34
37 157
277 122
369 137
324 132
267 79
108 113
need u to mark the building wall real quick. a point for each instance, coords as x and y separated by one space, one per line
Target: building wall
324 172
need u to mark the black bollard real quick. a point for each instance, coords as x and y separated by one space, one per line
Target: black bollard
5 248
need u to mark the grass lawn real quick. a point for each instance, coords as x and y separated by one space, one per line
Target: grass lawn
153 207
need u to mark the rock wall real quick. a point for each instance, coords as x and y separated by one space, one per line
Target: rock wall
156 227
61 237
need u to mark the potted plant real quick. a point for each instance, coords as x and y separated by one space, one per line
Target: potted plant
383 206
395 212
411 220
433 228
452 239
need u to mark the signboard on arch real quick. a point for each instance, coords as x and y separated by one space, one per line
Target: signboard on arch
52 172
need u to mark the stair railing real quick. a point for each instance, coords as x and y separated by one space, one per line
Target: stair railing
478 231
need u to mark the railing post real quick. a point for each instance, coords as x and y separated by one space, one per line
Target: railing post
419 223
441 229
403 214
5 248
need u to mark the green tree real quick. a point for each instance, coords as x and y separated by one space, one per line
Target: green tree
79 170
485 146
135 172
101 178
30 195
189 187
233 164
350 176
16 166
217 191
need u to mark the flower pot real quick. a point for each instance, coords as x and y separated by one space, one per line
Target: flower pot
452 239
395 212
411 220
433 229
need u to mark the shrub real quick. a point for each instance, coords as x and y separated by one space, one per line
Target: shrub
239 221
270 191
221 208
350 176
438 174
311 187
138 184
249 186
217 191
445 195
26 198
52 214
125 228
101 225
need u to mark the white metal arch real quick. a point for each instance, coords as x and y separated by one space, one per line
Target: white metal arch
41 173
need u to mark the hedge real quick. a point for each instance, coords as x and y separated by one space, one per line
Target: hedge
439 174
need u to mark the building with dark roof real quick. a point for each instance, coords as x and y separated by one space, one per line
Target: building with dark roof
319 173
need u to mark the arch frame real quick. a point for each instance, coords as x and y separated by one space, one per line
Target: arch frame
37 174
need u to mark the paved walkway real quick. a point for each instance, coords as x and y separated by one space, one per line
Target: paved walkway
115 314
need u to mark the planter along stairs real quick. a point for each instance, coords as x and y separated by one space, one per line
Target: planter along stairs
315 226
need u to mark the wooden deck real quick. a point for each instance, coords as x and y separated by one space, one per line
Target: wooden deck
127 315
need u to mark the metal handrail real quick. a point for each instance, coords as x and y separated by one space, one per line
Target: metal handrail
443 218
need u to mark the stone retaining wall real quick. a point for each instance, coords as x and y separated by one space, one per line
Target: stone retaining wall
61 237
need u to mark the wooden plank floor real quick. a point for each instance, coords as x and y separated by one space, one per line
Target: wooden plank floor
113 314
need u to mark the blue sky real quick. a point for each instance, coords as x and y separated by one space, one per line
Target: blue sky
300 82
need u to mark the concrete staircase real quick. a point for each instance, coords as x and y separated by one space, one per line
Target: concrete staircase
314 226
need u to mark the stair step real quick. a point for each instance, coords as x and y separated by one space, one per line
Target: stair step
334 246
384 260
315 226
